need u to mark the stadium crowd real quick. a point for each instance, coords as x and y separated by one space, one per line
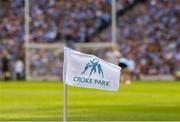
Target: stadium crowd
148 33
11 33
53 21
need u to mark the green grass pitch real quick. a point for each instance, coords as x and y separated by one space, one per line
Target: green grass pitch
44 101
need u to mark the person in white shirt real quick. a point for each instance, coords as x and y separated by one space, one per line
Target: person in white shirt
113 55
19 69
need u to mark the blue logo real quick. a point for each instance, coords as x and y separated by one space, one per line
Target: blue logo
94 66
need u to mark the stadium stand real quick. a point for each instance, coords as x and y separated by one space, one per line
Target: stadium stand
12 31
149 35
54 21
147 32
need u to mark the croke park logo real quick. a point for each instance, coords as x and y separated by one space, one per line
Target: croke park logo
94 66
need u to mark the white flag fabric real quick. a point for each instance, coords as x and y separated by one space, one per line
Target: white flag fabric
89 71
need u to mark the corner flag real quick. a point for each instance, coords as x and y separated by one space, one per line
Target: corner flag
89 71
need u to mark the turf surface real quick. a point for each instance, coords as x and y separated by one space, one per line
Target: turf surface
44 101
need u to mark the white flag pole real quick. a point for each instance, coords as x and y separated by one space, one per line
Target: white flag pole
65 103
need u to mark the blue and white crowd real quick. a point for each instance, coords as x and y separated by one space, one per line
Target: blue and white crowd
148 33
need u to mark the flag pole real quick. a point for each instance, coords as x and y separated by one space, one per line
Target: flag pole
65 103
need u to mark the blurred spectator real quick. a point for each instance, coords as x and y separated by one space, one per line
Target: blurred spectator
19 69
5 65
113 55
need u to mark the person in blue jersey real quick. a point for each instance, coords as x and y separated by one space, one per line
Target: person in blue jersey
128 67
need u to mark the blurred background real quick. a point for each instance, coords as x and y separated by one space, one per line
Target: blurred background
33 34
